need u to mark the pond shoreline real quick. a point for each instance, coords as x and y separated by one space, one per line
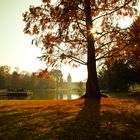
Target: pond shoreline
44 94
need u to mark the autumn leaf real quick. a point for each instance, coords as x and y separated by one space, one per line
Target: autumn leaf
35 30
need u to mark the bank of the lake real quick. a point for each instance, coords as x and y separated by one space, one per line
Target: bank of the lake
45 94
79 119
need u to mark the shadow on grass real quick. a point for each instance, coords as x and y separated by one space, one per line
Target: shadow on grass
66 122
93 124
86 124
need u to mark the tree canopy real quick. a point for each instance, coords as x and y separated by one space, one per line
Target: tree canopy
82 31
60 28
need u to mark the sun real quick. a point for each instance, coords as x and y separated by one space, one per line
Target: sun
93 30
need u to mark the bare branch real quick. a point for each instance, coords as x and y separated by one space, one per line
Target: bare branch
75 59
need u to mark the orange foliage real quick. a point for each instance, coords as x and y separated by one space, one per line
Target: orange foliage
65 23
42 74
35 30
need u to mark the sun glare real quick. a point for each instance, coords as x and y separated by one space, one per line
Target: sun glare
93 30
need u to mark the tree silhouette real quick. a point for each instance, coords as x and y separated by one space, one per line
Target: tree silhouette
77 31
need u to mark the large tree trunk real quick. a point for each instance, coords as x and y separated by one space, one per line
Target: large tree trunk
92 88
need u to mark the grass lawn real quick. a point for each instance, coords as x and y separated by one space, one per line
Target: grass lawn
113 119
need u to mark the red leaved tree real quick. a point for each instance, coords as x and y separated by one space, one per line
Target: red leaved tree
132 51
128 46
77 31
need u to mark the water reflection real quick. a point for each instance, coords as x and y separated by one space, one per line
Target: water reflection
46 95
66 96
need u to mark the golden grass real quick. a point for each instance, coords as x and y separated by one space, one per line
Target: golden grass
115 119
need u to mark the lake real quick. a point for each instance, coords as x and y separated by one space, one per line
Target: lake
40 94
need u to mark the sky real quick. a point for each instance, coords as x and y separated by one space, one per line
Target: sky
15 47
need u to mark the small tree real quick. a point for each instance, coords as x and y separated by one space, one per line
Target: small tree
67 32
4 76
15 80
2 82
58 76
80 86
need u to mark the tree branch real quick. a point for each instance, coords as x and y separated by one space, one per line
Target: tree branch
116 9
106 55
76 59
79 25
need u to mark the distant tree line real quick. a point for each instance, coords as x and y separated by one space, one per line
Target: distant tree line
40 79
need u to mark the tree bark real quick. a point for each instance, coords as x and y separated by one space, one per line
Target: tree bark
92 87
